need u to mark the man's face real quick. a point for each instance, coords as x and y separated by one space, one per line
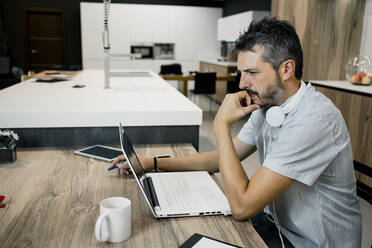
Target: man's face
259 78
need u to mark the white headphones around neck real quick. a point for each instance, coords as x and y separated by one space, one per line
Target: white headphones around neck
275 115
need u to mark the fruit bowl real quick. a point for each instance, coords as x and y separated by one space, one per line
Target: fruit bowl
359 70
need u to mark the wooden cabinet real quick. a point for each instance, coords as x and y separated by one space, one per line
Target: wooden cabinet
340 21
357 111
221 86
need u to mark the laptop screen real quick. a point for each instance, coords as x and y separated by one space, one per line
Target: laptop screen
131 155
135 165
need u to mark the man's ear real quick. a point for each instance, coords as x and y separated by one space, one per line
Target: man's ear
287 69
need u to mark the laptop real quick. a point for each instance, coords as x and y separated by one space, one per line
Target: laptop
176 194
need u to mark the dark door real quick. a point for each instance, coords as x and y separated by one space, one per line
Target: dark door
44 38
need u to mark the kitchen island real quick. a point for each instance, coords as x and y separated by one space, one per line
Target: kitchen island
355 104
57 114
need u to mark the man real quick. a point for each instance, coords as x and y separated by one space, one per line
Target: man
306 183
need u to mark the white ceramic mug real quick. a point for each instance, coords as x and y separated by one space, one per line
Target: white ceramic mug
114 222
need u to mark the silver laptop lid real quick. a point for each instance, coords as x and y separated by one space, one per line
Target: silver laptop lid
134 164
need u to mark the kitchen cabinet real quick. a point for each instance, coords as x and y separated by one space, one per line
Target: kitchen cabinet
163 24
222 69
193 30
186 46
142 30
230 27
120 31
91 32
356 108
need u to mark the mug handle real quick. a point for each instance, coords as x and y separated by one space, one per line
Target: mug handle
101 235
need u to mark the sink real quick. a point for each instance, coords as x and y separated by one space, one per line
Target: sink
131 74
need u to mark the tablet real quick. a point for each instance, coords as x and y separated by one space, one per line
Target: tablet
100 152
200 241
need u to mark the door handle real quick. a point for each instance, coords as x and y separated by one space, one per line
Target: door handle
33 51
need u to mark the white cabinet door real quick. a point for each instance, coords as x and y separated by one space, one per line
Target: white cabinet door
196 33
164 25
206 33
120 28
222 29
230 27
186 37
91 30
142 27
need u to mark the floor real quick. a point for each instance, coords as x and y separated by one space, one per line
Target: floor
207 142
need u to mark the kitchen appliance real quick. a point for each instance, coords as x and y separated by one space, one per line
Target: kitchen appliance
145 49
164 51
223 51
228 52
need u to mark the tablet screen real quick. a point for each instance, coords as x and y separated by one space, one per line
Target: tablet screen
100 152
200 241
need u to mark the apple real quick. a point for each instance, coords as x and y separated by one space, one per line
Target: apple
366 80
361 75
355 78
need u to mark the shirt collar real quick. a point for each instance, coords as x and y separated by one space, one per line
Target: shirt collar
302 88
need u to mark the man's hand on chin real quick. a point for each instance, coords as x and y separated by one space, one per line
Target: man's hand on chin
234 107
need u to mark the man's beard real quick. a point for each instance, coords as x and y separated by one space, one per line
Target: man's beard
273 95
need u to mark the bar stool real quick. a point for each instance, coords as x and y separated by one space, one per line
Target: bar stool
205 84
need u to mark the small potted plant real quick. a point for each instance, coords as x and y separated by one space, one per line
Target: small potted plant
8 146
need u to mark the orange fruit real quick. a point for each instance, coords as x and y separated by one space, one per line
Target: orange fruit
362 74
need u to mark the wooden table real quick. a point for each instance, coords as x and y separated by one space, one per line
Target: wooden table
186 78
53 197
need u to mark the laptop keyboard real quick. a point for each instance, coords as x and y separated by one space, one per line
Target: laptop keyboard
173 193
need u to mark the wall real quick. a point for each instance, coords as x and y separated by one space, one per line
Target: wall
329 31
13 22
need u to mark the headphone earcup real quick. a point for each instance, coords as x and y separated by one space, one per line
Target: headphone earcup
275 116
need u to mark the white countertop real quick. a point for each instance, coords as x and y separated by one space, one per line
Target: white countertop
222 63
134 101
344 84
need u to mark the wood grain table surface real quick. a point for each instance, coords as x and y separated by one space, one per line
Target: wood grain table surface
52 200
